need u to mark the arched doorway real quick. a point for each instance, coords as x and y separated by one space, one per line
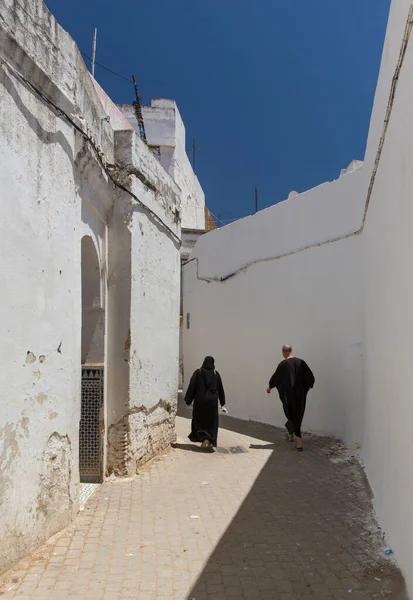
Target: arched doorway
93 357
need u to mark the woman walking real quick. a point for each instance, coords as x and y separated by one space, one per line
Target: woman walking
205 391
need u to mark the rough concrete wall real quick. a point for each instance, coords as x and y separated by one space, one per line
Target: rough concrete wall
43 166
159 129
145 424
40 321
165 131
154 337
139 436
193 197
58 190
138 168
119 299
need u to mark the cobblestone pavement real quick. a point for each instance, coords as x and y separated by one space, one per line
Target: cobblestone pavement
267 524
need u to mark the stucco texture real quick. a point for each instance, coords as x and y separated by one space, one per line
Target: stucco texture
68 181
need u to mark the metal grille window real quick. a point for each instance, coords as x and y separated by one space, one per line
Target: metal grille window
90 435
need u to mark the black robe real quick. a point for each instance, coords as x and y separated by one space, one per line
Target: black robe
293 379
205 390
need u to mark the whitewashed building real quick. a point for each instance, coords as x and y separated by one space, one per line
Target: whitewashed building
330 272
165 132
90 255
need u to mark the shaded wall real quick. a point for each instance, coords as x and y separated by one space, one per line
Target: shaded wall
388 317
93 313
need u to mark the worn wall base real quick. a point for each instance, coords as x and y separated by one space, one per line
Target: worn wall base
139 436
54 508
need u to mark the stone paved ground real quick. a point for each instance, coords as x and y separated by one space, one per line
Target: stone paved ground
267 524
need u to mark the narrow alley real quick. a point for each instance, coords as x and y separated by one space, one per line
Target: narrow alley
255 520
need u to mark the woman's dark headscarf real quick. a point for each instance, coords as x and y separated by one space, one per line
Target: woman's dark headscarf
209 363
208 369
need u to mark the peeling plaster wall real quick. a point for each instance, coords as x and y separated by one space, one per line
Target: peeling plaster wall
143 303
40 313
154 338
145 424
55 192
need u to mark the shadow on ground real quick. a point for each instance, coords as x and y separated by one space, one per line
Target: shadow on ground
190 448
305 530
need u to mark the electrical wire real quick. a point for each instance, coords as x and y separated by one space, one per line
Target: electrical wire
63 114
226 221
234 219
389 108
106 68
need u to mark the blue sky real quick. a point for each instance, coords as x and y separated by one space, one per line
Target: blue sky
276 92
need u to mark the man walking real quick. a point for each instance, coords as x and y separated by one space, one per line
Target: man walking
293 379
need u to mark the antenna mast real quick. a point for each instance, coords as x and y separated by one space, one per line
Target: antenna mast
194 149
94 51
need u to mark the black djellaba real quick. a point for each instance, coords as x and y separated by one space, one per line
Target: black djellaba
205 391
293 380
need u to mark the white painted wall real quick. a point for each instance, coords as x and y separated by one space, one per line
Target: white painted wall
165 130
40 310
154 315
311 299
193 197
346 306
144 271
54 192
329 211
388 316
189 239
